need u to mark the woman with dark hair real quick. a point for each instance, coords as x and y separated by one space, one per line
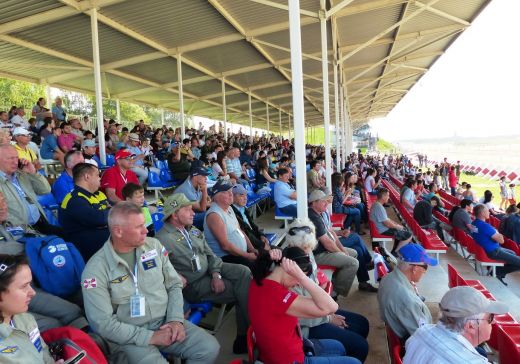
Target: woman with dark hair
20 340
339 199
274 310
486 200
263 177
46 129
40 112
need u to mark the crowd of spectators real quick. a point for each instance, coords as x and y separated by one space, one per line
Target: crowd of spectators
137 278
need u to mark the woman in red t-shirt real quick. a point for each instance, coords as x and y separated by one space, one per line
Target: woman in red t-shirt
274 310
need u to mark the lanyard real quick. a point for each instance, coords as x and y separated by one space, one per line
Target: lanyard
187 238
124 178
135 274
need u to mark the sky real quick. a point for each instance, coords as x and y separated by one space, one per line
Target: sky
472 90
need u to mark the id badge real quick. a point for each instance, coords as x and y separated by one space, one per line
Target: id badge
137 303
195 263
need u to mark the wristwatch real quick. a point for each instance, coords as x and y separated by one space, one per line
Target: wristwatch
217 276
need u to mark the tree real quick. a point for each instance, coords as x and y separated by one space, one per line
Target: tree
19 93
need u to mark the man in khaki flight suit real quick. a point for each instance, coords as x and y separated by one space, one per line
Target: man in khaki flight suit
207 277
133 296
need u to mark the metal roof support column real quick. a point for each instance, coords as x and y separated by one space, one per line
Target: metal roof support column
349 135
250 115
326 111
267 117
48 95
345 128
298 107
342 128
118 111
97 84
336 115
289 119
280 122
224 116
181 95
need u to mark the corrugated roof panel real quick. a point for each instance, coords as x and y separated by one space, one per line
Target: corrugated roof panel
163 70
368 55
11 52
118 85
463 9
204 88
425 20
15 9
227 57
359 28
252 79
171 23
252 15
58 36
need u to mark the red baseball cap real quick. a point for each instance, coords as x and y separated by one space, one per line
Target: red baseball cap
123 154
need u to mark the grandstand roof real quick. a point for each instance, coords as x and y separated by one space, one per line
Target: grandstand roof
384 47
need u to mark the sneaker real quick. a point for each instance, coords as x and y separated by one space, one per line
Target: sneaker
367 287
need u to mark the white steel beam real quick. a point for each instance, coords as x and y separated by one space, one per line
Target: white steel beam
97 84
181 95
441 13
250 115
298 106
267 117
118 111
284 7
338 7
325 85
224 115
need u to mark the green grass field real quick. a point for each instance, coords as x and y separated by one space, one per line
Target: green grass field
480 184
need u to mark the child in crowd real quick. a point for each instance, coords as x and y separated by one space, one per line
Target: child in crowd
511 195
135 193
146 147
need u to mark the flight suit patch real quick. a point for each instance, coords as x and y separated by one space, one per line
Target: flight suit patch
119 279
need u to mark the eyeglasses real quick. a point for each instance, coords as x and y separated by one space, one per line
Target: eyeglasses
490 318
306 229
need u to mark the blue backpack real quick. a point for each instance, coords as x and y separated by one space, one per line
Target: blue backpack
56 264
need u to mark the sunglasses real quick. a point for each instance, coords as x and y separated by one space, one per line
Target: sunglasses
306 229
423 266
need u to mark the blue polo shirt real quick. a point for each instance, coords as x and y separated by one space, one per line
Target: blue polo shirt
63 185
189 191
483 235
282 193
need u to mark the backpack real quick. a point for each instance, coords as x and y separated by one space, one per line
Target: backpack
56 264
66 342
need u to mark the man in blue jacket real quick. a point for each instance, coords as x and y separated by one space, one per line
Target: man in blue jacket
84 211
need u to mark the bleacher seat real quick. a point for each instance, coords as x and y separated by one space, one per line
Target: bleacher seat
278 215
157 221
156 184
111 160
395 347
509 344
338 221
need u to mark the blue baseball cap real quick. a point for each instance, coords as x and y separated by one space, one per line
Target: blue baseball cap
198 171
415 254
220 186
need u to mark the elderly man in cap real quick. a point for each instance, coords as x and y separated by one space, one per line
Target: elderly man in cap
346 252
22 137
248 226
139 168
222 230
467 316
400 305
207 277
195 188
116 177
